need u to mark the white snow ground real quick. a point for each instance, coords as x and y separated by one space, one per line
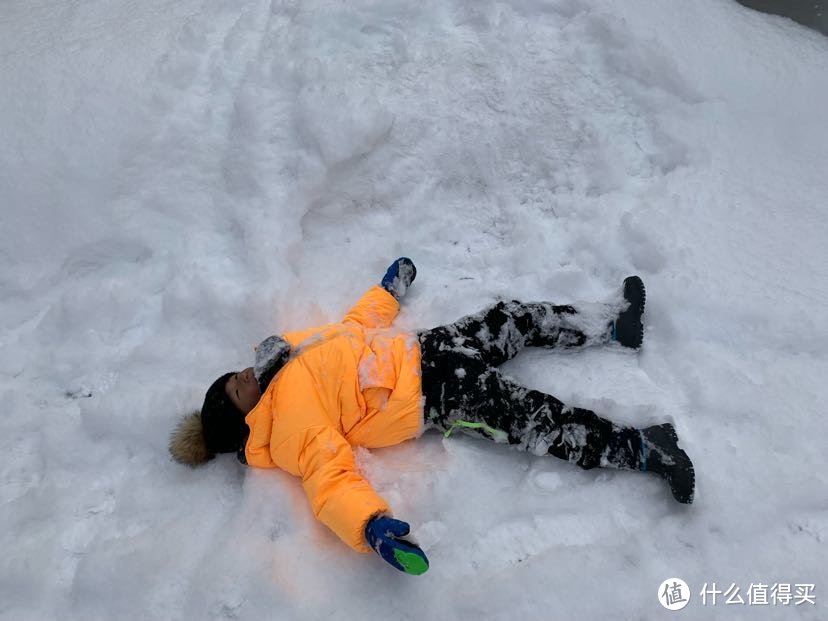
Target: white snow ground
181 178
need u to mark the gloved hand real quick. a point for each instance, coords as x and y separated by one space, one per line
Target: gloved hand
383 535
401 273
271 355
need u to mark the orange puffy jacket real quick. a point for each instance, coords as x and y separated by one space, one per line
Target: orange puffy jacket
354 383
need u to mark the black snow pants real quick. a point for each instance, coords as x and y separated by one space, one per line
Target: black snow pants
464 390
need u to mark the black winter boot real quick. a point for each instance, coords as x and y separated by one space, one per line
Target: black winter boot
628 329
661 454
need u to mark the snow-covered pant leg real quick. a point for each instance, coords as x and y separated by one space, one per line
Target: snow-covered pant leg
499 332
463 391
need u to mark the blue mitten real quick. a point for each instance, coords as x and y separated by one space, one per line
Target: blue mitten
401 273
383 535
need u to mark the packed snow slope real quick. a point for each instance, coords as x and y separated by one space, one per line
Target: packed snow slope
182 178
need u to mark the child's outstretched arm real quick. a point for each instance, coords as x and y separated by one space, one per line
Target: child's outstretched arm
380 305
344 501
340 497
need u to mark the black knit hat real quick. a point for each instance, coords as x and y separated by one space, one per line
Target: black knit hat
223 422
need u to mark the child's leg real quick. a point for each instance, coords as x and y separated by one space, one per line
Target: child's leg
466 394
463 392
499 332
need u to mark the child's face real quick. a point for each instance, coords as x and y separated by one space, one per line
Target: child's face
243 390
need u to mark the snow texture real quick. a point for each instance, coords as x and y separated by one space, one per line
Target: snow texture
181 178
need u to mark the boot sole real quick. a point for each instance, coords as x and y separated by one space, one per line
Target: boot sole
683 462
630 328
689 481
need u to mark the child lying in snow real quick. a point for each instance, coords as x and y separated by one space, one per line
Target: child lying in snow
314 394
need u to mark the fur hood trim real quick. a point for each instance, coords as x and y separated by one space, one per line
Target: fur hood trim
187 445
